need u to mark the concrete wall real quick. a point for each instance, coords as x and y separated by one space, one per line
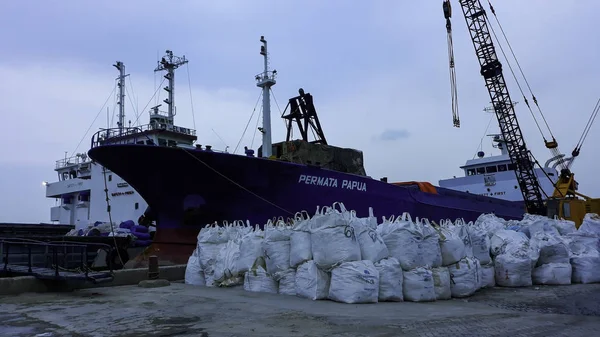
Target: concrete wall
24 284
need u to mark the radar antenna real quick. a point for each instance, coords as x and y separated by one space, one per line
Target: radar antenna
169 62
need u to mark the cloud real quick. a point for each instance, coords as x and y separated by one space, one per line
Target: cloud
391 135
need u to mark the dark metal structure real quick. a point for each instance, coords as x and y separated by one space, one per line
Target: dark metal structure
303 112
58 261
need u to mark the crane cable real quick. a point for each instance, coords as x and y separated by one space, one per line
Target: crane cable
586 130
553 146
453 88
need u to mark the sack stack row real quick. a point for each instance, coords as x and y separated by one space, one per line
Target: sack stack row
338 256
539 250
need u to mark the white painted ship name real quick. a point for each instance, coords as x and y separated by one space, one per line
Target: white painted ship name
332 182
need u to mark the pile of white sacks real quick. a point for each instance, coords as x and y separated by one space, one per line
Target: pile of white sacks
336 255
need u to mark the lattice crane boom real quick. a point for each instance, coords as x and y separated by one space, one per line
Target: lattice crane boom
491 70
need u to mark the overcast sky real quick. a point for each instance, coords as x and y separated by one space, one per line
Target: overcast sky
378 71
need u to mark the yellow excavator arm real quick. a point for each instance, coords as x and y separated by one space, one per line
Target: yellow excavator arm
569 204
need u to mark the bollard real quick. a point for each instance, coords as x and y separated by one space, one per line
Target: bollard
153 271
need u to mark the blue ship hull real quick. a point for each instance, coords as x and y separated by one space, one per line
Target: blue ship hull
190 188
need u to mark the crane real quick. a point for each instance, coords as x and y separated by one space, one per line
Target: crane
564 201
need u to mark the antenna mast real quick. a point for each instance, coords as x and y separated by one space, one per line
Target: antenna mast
121 84
170 63
266 80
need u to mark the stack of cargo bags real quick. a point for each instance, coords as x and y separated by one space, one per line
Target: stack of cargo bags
338 256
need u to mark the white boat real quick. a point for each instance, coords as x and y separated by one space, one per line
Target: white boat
83 186
494 175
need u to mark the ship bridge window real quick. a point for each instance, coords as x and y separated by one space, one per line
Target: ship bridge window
491 169
512 167
172 143
480 170
150 142
502 168
162 142
471 172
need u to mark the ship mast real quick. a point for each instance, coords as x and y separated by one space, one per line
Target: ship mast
266 80
170 63
121 84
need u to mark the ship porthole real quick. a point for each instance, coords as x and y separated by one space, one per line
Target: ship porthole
516 187
488 189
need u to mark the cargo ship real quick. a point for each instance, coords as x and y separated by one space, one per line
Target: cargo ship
188 187
494 175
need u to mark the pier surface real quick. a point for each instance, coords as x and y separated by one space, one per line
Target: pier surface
185 310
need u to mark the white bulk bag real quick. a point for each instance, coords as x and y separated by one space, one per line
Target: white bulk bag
194 274
480 242
210 241
413 244
418 285
464 277
371 244
451 244
227 261
441 283
287 282
257 280
541 224
311 282
354 282
563 226
333 240
552 249
370 221
509 242
300 246
512 270
462 230
276 246
490 223
430 244
390 280
552 273
590 225
487 278
250 249
586 268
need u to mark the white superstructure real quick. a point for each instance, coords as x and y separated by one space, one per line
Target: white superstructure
80 190
494 176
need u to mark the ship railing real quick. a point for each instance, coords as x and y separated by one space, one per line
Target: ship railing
72 161
269 76
126 135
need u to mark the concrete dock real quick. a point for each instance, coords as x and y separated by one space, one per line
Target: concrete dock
185 310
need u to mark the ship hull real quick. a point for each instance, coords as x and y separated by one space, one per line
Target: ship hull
189 188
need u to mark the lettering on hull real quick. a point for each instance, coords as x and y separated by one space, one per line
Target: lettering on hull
352 185
115 194
492 194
